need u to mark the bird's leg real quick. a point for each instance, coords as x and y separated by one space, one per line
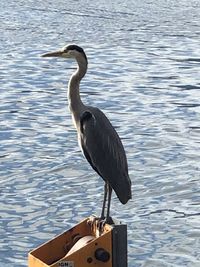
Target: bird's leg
103 220
108 218
104 201
100 222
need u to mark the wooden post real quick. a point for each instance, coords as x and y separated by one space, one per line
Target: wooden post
119 246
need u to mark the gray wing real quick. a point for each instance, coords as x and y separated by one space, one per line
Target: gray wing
104 151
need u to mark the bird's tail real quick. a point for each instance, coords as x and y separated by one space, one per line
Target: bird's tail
123 190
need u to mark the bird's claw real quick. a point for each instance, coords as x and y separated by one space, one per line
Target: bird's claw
103 221
109 220
99 223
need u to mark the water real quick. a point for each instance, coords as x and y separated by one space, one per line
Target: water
144 65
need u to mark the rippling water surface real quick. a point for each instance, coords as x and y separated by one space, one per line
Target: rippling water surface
144 67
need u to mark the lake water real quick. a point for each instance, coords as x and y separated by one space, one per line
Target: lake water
144 73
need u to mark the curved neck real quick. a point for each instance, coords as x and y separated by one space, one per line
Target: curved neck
75 102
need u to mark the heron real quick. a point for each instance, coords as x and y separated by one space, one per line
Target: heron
97 138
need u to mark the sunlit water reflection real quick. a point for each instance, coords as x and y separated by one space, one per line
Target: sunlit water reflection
144 74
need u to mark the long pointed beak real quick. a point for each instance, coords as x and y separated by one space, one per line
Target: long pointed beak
53 54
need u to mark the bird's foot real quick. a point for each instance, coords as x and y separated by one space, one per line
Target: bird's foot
93 221
109 220
100 222
103 221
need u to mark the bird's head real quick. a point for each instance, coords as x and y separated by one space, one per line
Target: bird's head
68 51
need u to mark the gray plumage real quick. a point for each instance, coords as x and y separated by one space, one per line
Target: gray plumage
97 138
104 150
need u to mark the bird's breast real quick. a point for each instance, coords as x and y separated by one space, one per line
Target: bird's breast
74 122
